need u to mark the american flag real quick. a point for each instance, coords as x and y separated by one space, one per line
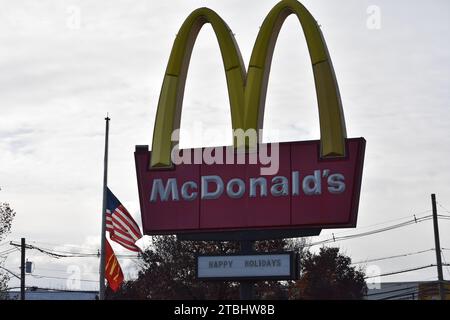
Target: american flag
121 226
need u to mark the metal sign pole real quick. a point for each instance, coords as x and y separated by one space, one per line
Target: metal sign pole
246 287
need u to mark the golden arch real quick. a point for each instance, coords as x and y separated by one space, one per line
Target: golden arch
247 93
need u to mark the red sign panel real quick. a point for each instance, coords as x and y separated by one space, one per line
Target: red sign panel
305 192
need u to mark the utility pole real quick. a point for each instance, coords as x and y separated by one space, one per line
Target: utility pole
103 234
246 287
437 245
22 269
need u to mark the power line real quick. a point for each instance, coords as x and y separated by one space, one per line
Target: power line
402 295
65 245
392 257
389 291
61 278
65 271
29 246
414 292
70 254
7 252
363 234
4 243
65 254
34 288
387 221
447 268
402 271
440 205
388 228
14 274
83 254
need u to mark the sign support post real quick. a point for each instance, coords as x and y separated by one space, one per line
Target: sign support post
246 286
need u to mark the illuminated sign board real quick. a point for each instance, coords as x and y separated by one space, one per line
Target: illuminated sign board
250 185
306 191
279 266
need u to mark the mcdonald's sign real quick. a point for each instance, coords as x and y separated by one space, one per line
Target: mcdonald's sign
309 185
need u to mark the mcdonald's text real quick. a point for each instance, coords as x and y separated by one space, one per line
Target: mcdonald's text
213 186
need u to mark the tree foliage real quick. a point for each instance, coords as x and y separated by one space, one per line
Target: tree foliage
328 275
6 217
168 272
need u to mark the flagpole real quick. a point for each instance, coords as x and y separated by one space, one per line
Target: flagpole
103 234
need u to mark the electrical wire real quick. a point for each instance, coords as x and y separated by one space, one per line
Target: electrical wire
398 285
364 234
386 222
389 291
402 271
66 254
440 205
393 257
71 254
91 254
7 252
410 295
9 271
31 288
38 276
86 248
89 249
4 243
65 271
447 268
415 292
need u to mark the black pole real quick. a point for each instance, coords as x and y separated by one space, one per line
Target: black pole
22 269
437 245
102 288
246 287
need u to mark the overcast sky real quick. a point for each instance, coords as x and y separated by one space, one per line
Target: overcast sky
65 64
